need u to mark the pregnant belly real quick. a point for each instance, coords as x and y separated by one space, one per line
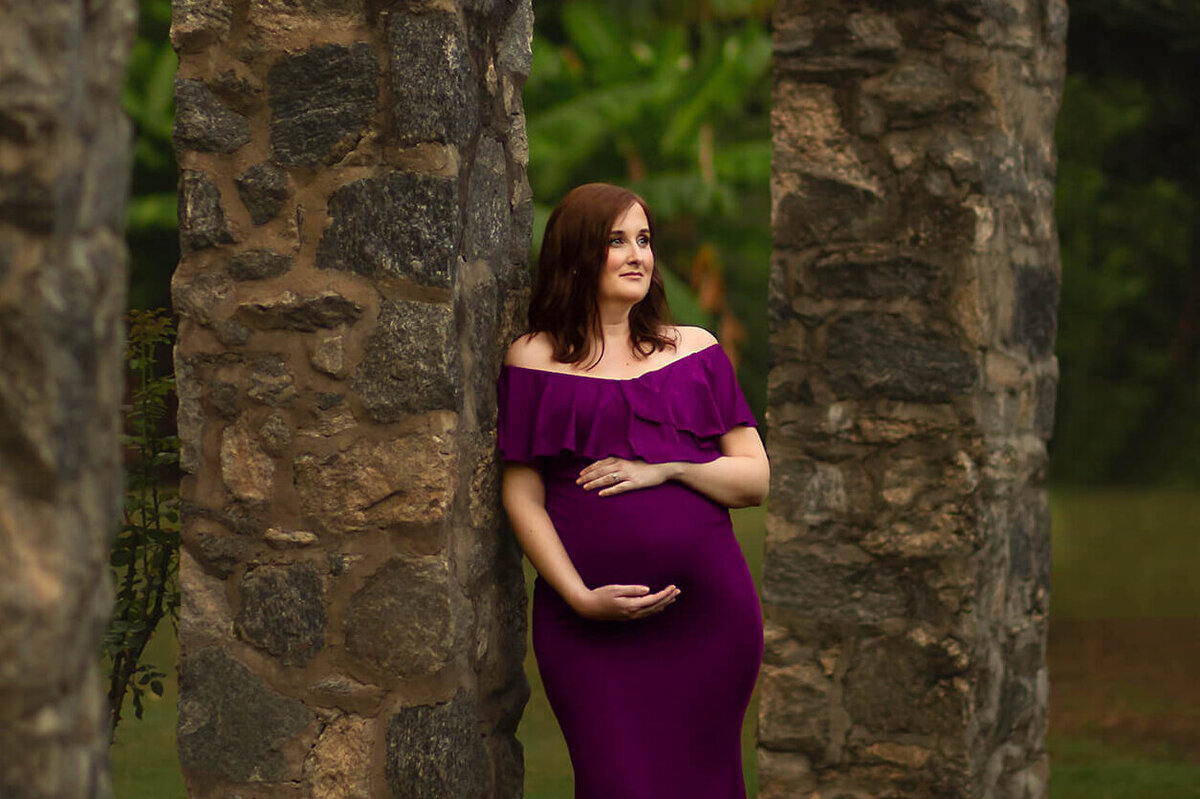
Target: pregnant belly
652 536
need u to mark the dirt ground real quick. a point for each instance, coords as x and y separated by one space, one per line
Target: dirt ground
1134 683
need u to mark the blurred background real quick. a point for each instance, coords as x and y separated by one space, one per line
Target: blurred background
672 99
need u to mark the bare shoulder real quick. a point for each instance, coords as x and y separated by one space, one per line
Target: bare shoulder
691 339
531 351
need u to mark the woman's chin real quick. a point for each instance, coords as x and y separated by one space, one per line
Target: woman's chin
625 297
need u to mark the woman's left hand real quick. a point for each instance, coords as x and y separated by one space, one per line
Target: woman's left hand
617 475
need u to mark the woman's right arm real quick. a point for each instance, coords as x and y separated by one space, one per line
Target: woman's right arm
524 497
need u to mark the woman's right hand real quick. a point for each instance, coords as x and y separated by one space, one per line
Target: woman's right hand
623 602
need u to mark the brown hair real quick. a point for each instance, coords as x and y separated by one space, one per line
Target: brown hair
574 251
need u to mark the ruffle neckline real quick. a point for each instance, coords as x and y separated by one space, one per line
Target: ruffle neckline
674 412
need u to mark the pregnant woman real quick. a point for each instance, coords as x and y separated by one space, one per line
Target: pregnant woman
626 440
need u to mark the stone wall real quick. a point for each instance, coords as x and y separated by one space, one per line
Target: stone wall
913 304
355 222
64 164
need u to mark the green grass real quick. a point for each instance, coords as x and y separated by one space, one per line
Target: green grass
1125 553
144 765
1084 768
1117 554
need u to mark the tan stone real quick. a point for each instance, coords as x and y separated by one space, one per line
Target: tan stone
203 608
793 711
199 296
347 693
189 418
289 539
329 356
337 765
378 483
784 775
900 754
247 471
331 422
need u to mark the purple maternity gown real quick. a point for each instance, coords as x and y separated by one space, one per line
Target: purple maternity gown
650 708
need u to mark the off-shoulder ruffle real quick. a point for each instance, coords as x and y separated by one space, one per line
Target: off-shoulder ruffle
676 412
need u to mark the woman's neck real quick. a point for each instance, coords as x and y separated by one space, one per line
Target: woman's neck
614 328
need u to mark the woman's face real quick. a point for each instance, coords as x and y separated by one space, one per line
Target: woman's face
630 262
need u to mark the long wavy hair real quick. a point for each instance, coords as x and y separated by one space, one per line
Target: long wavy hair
574 252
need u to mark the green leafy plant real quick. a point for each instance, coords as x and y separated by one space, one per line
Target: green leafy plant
671 100
145 553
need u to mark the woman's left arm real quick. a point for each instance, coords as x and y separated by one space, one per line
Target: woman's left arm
737 479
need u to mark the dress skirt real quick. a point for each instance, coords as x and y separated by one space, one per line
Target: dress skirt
650 707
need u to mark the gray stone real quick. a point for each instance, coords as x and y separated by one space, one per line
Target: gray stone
515 50
201 220
232 333
199 295
271 383
826 211
303 314
1035 309
1046 393
263 189
195 24
411 361
885 278
26 203
223 399
283 612
220 554
396 225
400 621
258 265
895 685
203 123
231 725
436 751
887 355
478 306
488 218
434 88
321 101
234 519
327 400
275 435
866 591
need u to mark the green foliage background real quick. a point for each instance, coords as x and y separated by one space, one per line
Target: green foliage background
672 99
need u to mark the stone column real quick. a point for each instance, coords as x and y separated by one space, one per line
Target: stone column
913 306
355 222
64 174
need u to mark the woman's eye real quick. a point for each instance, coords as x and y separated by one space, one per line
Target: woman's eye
615 241
644 241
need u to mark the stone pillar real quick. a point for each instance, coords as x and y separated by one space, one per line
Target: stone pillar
913 305
64 173
355 221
